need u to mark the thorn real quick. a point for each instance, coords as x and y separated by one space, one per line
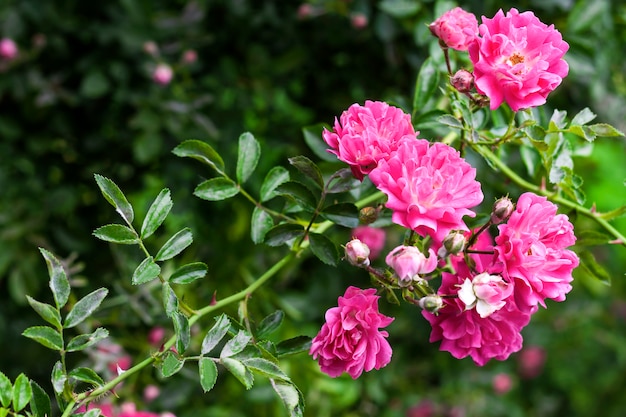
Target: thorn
214 298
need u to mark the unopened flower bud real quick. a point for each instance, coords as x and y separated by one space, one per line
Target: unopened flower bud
462 81
358 20
190 56
408 262
453 244
357 253
431 303
8 49
151 48
162 74
502 209
368 215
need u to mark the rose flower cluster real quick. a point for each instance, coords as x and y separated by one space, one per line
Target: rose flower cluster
498 281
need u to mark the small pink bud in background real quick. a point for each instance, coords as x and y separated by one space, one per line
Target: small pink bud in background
531 361
120 365
409 262
462 81
190 56
167 414
424 408
373 237
357 253
151 392
151 48
8 49
358 20
162 74
39 40
502 383
305 10
156 336
502 209
452 244
431 303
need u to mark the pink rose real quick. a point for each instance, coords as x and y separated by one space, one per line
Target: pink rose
162 74
8 49
530 250
517 59
366 134
429 187
409 261
488 293
350 340
373 237
456 28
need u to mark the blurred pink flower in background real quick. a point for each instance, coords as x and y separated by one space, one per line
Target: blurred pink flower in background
151 392
156 336
517 59
162 74
455 28
8 49
358 20
502 383
351 340
373 237
531 361
190 56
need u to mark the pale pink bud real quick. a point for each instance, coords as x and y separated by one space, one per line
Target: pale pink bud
156 336
151 392
357 253
373 237
151 48
431 303
502 383
409 263
452 244
462 81
531 361
359 20
162 74
8 49
190 56
485 292
502 209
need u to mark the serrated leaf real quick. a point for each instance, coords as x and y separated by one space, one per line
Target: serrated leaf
59 284
22 392
275 177
313 138
116 198
270 324
299 193
283 233
45 335
6 390
171 364
308 169
216 189
58 377
248 156
181 328
208 373
215 334
202 152
175 245
239 371
85 307
40 401
260 223
291 397
342 180
170 301
86 375
605 130
46 311
236 344
583 117
295 345
83 341
157 213
592 267
116 233
146 271
425 84
343 214
450 120
189 273
322 247
266 368
591 238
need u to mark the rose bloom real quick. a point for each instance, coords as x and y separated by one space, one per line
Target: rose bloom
373 237
517 59
488 293
8 49
409 261
429 187
456 28
162 74
530 250
350 340
365 134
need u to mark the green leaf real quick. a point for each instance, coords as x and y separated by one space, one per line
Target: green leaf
260 223
425 85
202 152
4 412
236 344
589 264
342 180
86 375
605 130
591 238
313 138
83 341
58 377
613 214
308 169
94 412
146 271
343 214
283 233
270 324
583 117
22 392
46 336
216 189
275 177
531 159
170 301
46 311
295 345
157 213
208 373
189 273
299 193
266 368
324 248
6 390
94 85
115 197
181 328
175 245
85 307
450 120
215 334
291 397
239 371
399 8
39 402
248 156
116 233
59 284
171 364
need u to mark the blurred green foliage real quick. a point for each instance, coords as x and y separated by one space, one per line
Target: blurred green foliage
80 100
